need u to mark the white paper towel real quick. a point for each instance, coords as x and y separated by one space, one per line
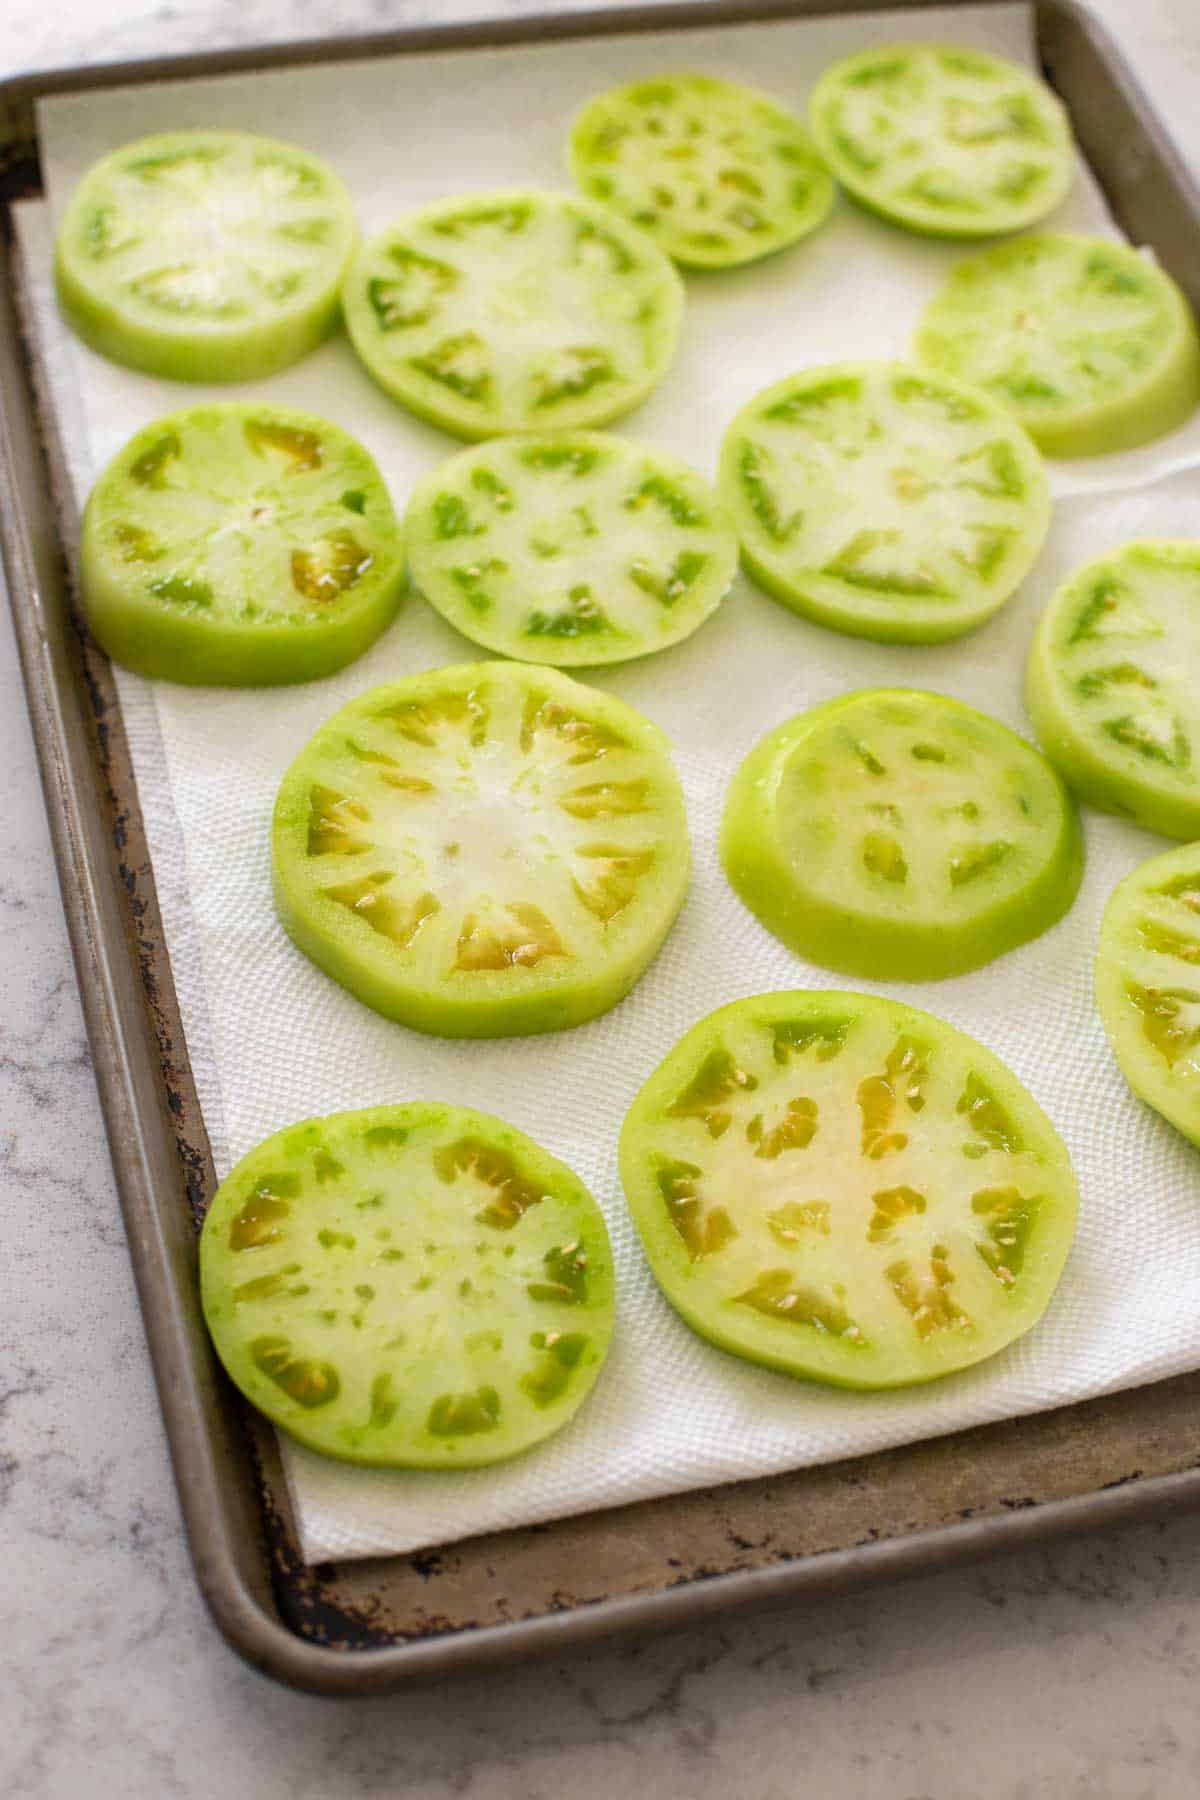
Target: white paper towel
272 1040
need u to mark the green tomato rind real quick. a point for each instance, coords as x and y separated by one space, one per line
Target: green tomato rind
719 174
1009 858
122 265
488 850
884 500
846 1190
240 545
518 310
416 1286
1148 985
1110 684
942 140
1092 346
569 548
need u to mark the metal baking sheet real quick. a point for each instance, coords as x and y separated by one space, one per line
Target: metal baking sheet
369 1626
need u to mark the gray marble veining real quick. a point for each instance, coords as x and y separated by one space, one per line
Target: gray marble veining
1070 1673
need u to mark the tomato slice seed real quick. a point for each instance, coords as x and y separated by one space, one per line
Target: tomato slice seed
482 850
410 1286
943 140
1111 683
846 1189
242 545
901 835
1148 983
717 173
883 500
1091 345
571 548
514 311
205 255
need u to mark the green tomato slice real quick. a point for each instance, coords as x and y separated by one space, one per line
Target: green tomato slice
514 311
1111 684
846 1189
943 140
717 173
482 851
901 836
569 548
412 1286
205 255
883 500
1091 345
1148 984
240 545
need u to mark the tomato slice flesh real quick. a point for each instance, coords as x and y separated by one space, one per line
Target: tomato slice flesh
847 1189
482 851
1091 346
1148 983
900 835
717 173
514 311
884 500
946 141
571 548
239 544
1111 683
205 255
411 1286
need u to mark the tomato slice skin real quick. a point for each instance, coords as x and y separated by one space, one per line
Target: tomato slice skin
1110 683
487 850
1147 986
300 221
569 548
411 1286
514 310
905 1214
240 545
751 182
883 500
967 843
1042 323
947 142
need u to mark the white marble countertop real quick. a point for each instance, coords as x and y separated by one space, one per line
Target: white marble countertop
1068 1673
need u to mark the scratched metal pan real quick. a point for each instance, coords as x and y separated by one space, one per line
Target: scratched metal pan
359 1627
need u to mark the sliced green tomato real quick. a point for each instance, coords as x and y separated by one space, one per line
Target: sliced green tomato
513 312
943 140
846 1189
1090 344
1111 684
883 500
482 851
569 548
1148 984
901 836
240 545
717 173
415 1286
205 255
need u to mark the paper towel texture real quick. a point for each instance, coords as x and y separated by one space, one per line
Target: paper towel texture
272 1040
